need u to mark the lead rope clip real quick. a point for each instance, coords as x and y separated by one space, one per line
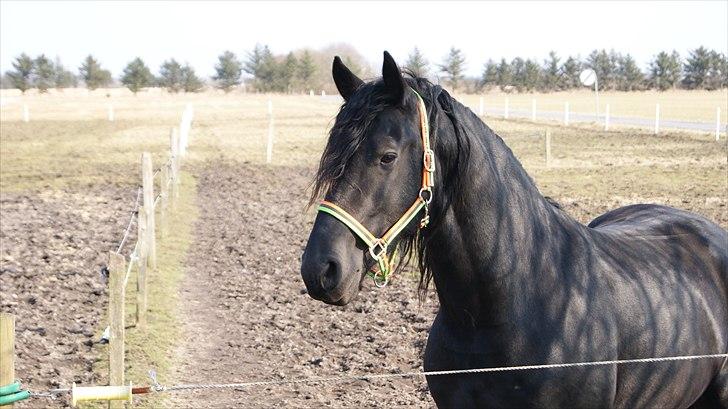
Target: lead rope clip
155 385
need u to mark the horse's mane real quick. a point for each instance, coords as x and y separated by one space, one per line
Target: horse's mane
357 115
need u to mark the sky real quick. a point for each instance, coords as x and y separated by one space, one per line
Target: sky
197 32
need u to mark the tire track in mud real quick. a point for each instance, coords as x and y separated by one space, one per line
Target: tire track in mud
246 316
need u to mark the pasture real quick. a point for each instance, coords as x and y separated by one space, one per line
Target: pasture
228 303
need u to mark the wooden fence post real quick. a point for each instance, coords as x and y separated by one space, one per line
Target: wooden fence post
7 350
26 113
148 186
164 191
548 148
141 305
117 273
174 146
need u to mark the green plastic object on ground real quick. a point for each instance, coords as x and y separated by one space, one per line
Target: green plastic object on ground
11 393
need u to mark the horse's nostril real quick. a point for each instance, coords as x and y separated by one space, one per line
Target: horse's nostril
330 278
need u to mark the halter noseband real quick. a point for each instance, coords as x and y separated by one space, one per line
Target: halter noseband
378 246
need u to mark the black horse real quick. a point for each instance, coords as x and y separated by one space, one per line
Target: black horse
519 281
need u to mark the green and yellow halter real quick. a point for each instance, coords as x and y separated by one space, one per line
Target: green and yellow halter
378 246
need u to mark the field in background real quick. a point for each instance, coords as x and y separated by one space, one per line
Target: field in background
68 178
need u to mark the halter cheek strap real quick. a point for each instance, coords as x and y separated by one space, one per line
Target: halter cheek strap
378 246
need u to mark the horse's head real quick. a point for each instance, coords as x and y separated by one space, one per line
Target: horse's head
371 173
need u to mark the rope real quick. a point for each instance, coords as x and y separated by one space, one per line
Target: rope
133 257
160 388
131 220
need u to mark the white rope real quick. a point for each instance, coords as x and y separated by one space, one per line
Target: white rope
131 220
133 257
160 388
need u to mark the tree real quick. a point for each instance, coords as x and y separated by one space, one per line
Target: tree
571 69
552 78
604 64
306 70
93 75
505 75
531 75
629 76
665 70
417 64
62 77
490 74
453 67
137 76
228 71
518 70
705 69
43 73
20 77
190 81
262 66
171 76
287 73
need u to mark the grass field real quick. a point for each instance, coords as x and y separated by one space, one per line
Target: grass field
69 149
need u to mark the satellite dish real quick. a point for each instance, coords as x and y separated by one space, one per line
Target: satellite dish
588 77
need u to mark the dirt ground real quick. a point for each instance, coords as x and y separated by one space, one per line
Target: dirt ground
247 316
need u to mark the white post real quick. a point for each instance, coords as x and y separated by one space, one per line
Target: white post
606 118
657 118
533 109
480 111
310 93
323 93
566 113
505 109
111 113
26 113
596 94
269 147
717 124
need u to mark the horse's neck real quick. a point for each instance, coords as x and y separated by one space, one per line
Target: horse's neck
487 256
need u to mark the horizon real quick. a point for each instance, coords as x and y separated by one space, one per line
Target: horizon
25 27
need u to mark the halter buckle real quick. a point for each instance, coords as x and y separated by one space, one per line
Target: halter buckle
428 159
381 245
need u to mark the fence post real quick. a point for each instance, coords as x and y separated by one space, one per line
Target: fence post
481 110
566 113
717 124
148 187
323 93
117 272
111 113
141 305
26 113
533 110
606 118
505 109
269 145
657 118
164 191
548 148
174 163
7 350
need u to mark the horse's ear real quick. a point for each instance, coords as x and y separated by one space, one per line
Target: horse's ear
393 80
345 80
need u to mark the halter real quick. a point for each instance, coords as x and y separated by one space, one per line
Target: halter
378 246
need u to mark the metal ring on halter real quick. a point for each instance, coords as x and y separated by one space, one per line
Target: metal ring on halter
428 159
429 197
376 255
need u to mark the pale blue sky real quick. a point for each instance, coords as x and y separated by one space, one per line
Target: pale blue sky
197 32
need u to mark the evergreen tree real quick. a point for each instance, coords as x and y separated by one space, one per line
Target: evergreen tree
704 69
453 67
417 64
629 76
43 73
531 75
190 81
287 73
552 78
604 65
171 76
262 66
137 76
571 69
20 77
665 70
228 71
306 70
93 75
505 75
62 77
490 74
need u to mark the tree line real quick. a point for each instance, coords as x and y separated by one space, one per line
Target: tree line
306 69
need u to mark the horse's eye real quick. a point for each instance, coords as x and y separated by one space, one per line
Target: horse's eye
388 157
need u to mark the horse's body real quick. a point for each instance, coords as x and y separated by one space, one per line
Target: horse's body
520 283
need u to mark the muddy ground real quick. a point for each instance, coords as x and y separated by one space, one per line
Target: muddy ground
53 248
247 315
